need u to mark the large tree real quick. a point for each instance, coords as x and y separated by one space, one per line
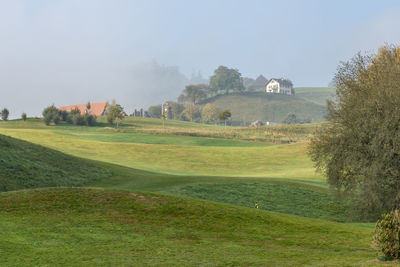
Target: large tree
4 114
359 151
193 93
226 79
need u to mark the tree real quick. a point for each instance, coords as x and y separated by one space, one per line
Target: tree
224 115
23 116
116 114
193 93
154 111
50 114
4 114
291 119
192 112
359 151
176 110
225 79
210 112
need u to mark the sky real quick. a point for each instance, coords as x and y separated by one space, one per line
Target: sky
75 51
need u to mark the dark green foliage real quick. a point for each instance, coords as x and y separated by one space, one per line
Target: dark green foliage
50 114
63 115
25 165
155 111
115 114
387 235
224 115
4 114
360 149
23 116
176 110
225 79
291 119
76 118
194 93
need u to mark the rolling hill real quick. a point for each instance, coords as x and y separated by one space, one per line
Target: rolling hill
26 165
96 227
318 95
250 106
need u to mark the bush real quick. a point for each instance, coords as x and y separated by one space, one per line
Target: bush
89 120
63 115
50 114
4 114
387 234
23 116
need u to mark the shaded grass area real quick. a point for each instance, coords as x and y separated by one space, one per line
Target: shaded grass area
26 165
291 198
106 227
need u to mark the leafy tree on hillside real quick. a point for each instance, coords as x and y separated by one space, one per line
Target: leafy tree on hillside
225 79
359 151
4 114
154 111
23 116
176 110
116 114
291 119
193 93
192 112
224 115
50 114
210 113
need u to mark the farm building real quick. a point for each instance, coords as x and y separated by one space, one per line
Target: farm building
96 109
279 86
259 84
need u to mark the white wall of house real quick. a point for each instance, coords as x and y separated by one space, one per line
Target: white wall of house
274 87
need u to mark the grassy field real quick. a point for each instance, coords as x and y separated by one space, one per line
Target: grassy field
318 95
248 107
205 181
118 228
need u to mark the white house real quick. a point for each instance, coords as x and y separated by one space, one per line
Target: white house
279 86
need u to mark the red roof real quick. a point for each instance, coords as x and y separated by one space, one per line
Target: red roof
96 109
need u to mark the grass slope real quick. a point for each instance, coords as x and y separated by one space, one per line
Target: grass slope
86 227
248 107
26 165
278 161
318 95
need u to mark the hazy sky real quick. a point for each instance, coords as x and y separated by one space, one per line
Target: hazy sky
67 52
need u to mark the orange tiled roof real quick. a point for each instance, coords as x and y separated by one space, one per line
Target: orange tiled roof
96 109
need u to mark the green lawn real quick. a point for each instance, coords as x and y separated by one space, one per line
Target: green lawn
250 106
279 161
205 182
318 95
86 227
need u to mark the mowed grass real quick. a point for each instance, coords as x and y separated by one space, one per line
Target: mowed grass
93 227
278 161
285 197
147 138
26 165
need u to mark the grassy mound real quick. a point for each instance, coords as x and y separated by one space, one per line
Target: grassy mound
248 107
86 227
290 198
26 165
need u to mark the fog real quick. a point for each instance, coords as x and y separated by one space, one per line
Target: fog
144 52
